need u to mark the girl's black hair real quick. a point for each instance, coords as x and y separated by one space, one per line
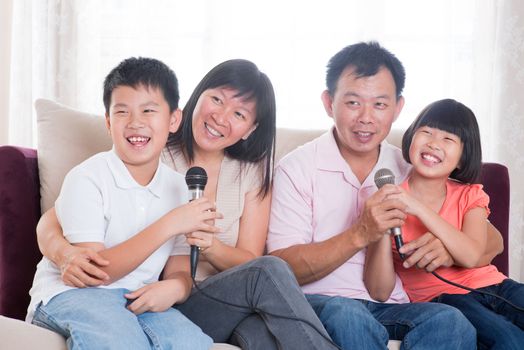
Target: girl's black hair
251 84
453 117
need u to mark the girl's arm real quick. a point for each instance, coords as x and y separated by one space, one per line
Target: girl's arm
466 246
252 235
174 288
379 273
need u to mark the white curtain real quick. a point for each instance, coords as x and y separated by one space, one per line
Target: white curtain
468 50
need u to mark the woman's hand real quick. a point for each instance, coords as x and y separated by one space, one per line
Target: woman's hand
79 267
202 240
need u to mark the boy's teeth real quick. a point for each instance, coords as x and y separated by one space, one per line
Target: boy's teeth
138 139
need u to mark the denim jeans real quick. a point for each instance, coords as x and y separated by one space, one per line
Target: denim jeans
499 326
97 318
360 324
264 287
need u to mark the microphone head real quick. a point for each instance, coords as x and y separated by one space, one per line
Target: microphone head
383 177
196 177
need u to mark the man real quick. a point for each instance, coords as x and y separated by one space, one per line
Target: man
326 210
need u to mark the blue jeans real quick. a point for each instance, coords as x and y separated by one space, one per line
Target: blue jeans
360 324
499 326
263 287
97 318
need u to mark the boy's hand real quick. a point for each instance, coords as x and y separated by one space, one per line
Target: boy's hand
426 252
197 215
155 297
79 267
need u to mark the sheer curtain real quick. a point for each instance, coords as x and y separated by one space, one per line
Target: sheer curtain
468 50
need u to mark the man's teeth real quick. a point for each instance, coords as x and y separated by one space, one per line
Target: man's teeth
431 158
213 131
138 139
363 134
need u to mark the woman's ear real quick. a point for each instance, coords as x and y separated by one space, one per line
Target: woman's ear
175 120
250 131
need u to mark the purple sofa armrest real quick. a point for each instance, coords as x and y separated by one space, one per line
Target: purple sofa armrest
19 214
495 178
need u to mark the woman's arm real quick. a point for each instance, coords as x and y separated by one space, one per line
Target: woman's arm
78 265
379 273
252 235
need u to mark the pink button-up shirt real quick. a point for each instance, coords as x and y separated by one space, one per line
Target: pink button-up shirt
315 197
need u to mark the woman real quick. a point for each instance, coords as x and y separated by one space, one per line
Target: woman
229 130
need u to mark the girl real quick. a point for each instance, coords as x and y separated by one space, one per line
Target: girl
442 196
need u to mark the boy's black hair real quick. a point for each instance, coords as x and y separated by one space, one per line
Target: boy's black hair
366 58
148 72
453 117
253 85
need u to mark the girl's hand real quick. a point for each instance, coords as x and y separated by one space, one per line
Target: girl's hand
197 215
411 203
155 297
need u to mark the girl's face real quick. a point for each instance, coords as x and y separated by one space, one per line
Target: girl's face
434 152
220 119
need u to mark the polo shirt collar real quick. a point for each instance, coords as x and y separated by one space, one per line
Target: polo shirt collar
329 158
124 180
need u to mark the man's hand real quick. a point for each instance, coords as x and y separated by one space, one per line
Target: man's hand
426 252
381 212
79 267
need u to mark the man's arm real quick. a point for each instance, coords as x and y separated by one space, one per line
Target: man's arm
313 261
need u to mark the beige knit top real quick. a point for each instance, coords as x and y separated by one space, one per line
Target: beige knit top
234 181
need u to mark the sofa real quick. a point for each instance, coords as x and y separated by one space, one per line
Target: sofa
30 182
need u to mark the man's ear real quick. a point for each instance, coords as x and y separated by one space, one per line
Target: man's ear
327 100
108 124
400 105
250 131
175 120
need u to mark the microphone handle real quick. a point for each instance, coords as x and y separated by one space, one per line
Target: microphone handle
397 234
193 259
195 193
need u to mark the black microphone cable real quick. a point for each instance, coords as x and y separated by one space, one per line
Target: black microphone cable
458 285
259 311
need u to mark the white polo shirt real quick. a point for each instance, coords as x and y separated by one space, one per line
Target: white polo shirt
101 202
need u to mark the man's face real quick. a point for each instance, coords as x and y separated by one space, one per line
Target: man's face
363 109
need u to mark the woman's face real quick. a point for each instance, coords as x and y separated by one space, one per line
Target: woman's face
220 119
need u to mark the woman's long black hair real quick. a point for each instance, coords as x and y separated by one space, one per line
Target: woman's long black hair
251 84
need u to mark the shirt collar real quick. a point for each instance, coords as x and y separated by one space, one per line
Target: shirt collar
124 180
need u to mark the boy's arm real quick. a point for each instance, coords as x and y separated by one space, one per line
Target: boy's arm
379 273
175 288
128 255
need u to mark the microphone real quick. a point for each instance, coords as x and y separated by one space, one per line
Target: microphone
196 180
383 177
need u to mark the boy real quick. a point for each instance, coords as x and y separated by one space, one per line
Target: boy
121 204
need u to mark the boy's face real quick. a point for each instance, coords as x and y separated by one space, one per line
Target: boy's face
363 109
139 122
